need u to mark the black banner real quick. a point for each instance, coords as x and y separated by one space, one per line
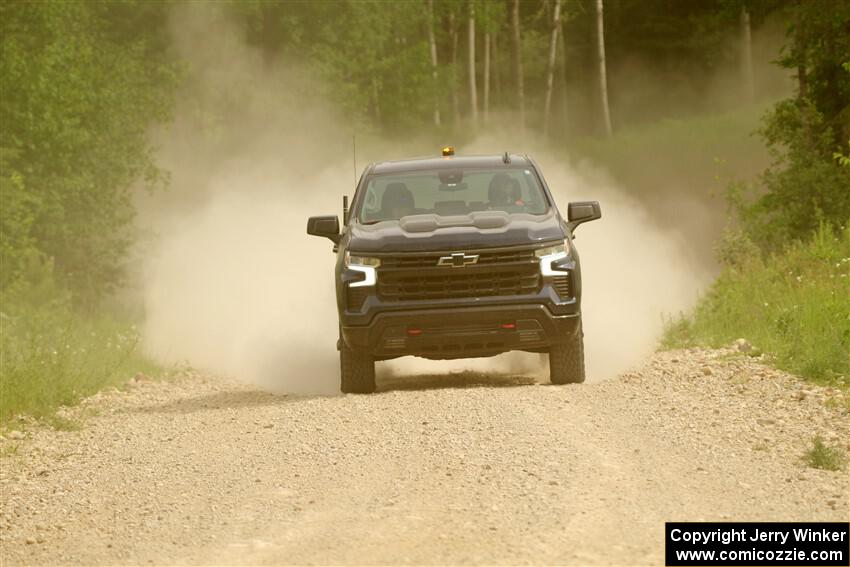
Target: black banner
757 543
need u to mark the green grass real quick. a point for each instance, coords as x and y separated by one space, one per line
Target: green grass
793 306
52 356
679 169
696 155
822 456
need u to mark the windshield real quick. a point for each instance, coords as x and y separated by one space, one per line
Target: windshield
451 192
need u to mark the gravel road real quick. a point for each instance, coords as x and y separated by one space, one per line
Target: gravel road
456 469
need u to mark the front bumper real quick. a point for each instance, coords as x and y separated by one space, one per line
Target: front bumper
461 332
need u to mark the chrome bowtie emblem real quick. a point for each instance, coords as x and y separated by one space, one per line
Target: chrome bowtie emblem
458 260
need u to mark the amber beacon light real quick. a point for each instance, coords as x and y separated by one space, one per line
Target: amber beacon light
448 151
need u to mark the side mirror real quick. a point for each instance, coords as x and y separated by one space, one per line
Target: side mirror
581 212
327 226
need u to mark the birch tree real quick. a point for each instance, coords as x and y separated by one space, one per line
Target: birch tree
565 103
473 93
486 109
453 33
603 79
550 71
747 55
517 49
432 44
489 18
495 69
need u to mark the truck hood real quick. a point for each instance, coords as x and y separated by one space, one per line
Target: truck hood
482 229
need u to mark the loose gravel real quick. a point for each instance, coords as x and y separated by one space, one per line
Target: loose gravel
459 469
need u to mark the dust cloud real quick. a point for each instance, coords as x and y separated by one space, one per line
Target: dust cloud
634 271
232 283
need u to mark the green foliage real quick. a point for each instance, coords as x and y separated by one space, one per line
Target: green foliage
82 83
374 56
51 355
843 161
17 215
790 297
735 250
805 186
376 66
690 152
808 181
793 305
822 456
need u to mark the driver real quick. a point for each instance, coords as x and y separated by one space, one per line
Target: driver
396 202
504 191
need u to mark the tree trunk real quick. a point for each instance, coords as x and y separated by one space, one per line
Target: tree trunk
565 102
517 56
473 93
747 56
432 42
802 80
496 72
455 101
550 72
375 100
603 79
486 77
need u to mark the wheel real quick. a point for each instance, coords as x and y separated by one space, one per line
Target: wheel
357 371
566 360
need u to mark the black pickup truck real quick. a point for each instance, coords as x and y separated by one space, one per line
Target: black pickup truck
456 257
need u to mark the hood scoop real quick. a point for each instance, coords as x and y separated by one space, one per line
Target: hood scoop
479 219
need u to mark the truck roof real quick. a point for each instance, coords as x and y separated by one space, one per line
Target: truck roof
453 162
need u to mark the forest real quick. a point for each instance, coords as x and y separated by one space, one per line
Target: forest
86 84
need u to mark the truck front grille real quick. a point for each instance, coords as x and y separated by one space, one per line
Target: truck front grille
418 277
484 258
563 286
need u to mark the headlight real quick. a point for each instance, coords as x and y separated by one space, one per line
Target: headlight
550 254
364 264
560 250
351 260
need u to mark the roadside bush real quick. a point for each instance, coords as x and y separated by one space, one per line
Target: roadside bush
51 355
793 304
805 187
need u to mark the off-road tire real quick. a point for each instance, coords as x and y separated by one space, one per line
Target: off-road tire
357 371
566 360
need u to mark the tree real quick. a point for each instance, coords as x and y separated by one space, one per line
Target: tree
486 76
489 19
497 68
432 47
550 70
453 33
806 185
603 78
565 106
82 85
747 55
517 59
473 93
377 68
